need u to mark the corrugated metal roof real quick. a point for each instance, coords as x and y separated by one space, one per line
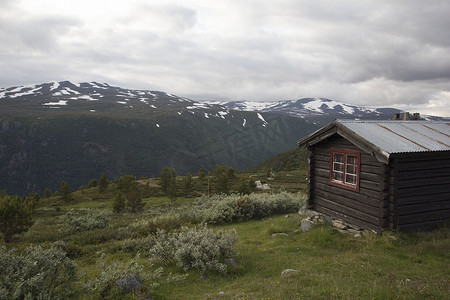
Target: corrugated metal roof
403 136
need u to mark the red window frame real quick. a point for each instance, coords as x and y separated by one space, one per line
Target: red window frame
345 168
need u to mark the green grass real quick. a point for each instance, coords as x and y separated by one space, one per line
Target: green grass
330 264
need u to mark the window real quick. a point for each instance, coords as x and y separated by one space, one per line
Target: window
344 168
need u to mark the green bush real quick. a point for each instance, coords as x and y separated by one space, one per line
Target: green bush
194 248
163 248
236 208
75 221
16 215
117 278
204 249
140 244
38 274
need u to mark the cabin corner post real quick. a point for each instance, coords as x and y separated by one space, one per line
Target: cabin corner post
309 202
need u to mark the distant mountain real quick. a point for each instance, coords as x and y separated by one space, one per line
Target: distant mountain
62 131
320 110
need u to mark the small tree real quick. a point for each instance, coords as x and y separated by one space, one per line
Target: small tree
134 199
92 183
251 185
173 188
119 203
125 183
66 193
103 183
47 193
243 188
165 178
32 199
201 174
218 170
16 216
223 185
168 182
231 173
187 184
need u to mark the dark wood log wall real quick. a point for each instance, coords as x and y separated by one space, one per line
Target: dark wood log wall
419 190
367 208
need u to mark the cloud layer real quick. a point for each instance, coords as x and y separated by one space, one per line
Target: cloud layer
378 53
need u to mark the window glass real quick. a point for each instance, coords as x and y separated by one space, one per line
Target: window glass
345 168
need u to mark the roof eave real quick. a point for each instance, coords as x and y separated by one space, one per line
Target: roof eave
338 128
318 135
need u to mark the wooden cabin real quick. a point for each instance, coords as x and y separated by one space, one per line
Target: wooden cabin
381 175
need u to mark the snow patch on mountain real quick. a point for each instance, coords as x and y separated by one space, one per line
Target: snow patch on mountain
222 114
60 102
54 86
87 97
196 105
97 85
319 105
262 119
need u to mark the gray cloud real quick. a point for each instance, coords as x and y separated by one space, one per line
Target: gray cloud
387 53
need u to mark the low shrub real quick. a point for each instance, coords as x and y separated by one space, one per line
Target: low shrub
194 248
38 274
163 249
236 208
99 235
141 244
76 221
117 278
204 249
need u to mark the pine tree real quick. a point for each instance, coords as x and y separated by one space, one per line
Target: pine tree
47 193
231 173
103 183
218 170
172 189
92 183
201 174
66 193
16 216
125 183
168 182
119 203
134 199
187 184
223 185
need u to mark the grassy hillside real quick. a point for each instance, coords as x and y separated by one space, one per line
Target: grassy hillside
326 264
286 161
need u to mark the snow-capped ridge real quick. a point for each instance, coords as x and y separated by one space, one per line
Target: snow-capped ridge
68 95
300 108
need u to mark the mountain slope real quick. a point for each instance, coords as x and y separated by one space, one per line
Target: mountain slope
318 110
75 132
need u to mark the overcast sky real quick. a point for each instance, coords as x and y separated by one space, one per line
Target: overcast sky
393 53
